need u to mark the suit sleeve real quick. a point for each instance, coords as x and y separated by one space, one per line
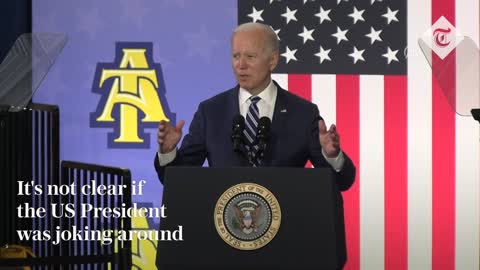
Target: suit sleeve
193 150
346 176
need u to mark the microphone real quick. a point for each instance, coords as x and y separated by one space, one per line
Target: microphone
263 132
238 126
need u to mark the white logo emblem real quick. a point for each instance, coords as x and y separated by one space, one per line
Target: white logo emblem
442 37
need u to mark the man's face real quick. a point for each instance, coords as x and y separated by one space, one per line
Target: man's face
252 61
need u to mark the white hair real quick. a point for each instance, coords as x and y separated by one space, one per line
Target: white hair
271 36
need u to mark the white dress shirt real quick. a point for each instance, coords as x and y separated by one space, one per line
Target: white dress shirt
266 106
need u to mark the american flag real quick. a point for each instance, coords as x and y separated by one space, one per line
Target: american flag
416 200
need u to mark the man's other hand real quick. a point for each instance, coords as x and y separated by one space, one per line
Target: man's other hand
329 140
168 136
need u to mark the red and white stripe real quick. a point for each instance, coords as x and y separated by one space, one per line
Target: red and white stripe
419 137
416 200
467 158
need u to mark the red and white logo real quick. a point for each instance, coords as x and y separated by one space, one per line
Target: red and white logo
442 37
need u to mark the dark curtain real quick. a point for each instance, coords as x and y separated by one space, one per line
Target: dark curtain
15 19
15 128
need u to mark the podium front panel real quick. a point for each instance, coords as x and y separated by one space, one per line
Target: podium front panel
310 236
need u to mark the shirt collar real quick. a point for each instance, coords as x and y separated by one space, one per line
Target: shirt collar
267 95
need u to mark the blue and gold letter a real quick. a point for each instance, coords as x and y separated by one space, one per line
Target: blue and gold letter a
132 89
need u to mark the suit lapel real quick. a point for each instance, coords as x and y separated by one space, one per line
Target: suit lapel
279 121
234 110
234 107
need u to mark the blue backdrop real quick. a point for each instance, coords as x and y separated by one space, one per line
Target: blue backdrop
191 42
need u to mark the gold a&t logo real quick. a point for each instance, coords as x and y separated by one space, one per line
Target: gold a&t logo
132 88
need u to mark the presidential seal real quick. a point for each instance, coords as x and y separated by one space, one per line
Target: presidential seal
247 216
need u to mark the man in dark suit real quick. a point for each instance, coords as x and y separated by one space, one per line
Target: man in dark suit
298 133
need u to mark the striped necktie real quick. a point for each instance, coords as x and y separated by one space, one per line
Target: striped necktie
250 131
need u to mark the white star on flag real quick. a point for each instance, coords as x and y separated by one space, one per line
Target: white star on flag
289 55
276 32
290 15
323 15
390 55
340 35
390 15
306 34
357 55
323 54
357 15
374 35
256 15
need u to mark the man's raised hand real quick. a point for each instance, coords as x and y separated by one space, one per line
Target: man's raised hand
329 139
168 136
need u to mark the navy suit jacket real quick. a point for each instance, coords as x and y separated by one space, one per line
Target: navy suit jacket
294 137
